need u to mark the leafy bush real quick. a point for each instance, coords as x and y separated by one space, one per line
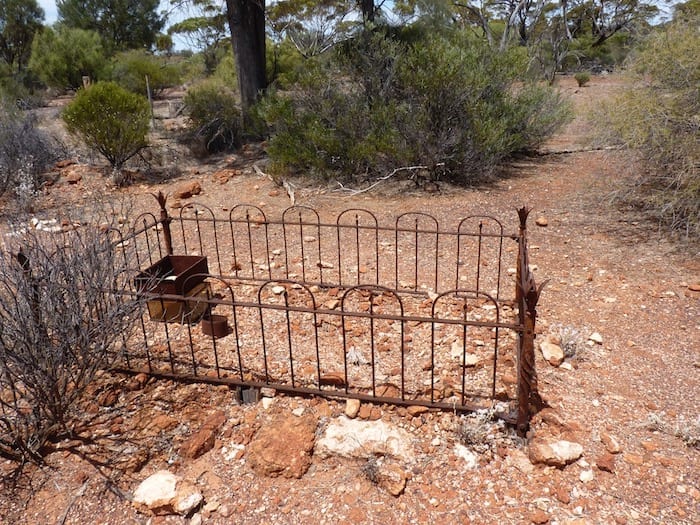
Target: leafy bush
215 119
450 104
130 69
61 317
62 58
25 154
110 120
582 78
19 89
658 118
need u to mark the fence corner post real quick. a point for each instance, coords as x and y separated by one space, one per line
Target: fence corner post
527 294
165 221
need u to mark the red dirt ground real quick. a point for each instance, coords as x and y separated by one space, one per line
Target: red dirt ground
609 272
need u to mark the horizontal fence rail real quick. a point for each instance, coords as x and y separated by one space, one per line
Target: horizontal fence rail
408 313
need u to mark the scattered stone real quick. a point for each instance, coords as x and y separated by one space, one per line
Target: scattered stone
606 462
267 402
552 353
365 411
165 493
203 440
283 446
64 164
392 478
596 338
557 453
223 176
187 190
352 407
586 475
633 459
519 460
471 459
354 438
73 178
417 410
298 411
266 391
563 494
278 290
471 360
187 499
611 443
695 287
542 221
333 379
331 304
539 517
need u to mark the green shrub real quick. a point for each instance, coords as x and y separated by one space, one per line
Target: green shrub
582 78
447 103
131 68
215 120
658 118
62 58
110 120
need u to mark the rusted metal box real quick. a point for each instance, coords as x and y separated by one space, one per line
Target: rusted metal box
188 310
173 275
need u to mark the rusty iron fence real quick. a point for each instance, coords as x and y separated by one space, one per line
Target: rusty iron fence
403 313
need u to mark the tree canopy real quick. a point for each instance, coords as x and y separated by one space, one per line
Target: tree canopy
19 21
123 24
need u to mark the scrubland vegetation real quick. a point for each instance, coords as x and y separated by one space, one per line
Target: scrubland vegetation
338 91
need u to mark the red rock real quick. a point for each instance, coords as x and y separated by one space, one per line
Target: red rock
162 422
392 478
611 443
606 462
73 178
416 410
333 379
283 446
187 190
563 494
539 517
63 164
365 411
203 440
633 459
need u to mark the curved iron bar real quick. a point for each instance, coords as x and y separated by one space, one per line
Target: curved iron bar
356 227
249 221
317 224
416 216
200 209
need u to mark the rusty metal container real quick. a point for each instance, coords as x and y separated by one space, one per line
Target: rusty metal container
215 325
173 275
188 310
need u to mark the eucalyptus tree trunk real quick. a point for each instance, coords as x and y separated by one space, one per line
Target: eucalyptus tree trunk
246 20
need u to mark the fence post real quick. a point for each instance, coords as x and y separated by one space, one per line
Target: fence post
527 294
165 220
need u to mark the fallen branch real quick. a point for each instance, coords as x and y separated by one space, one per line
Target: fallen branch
78 494
353 191
288 186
